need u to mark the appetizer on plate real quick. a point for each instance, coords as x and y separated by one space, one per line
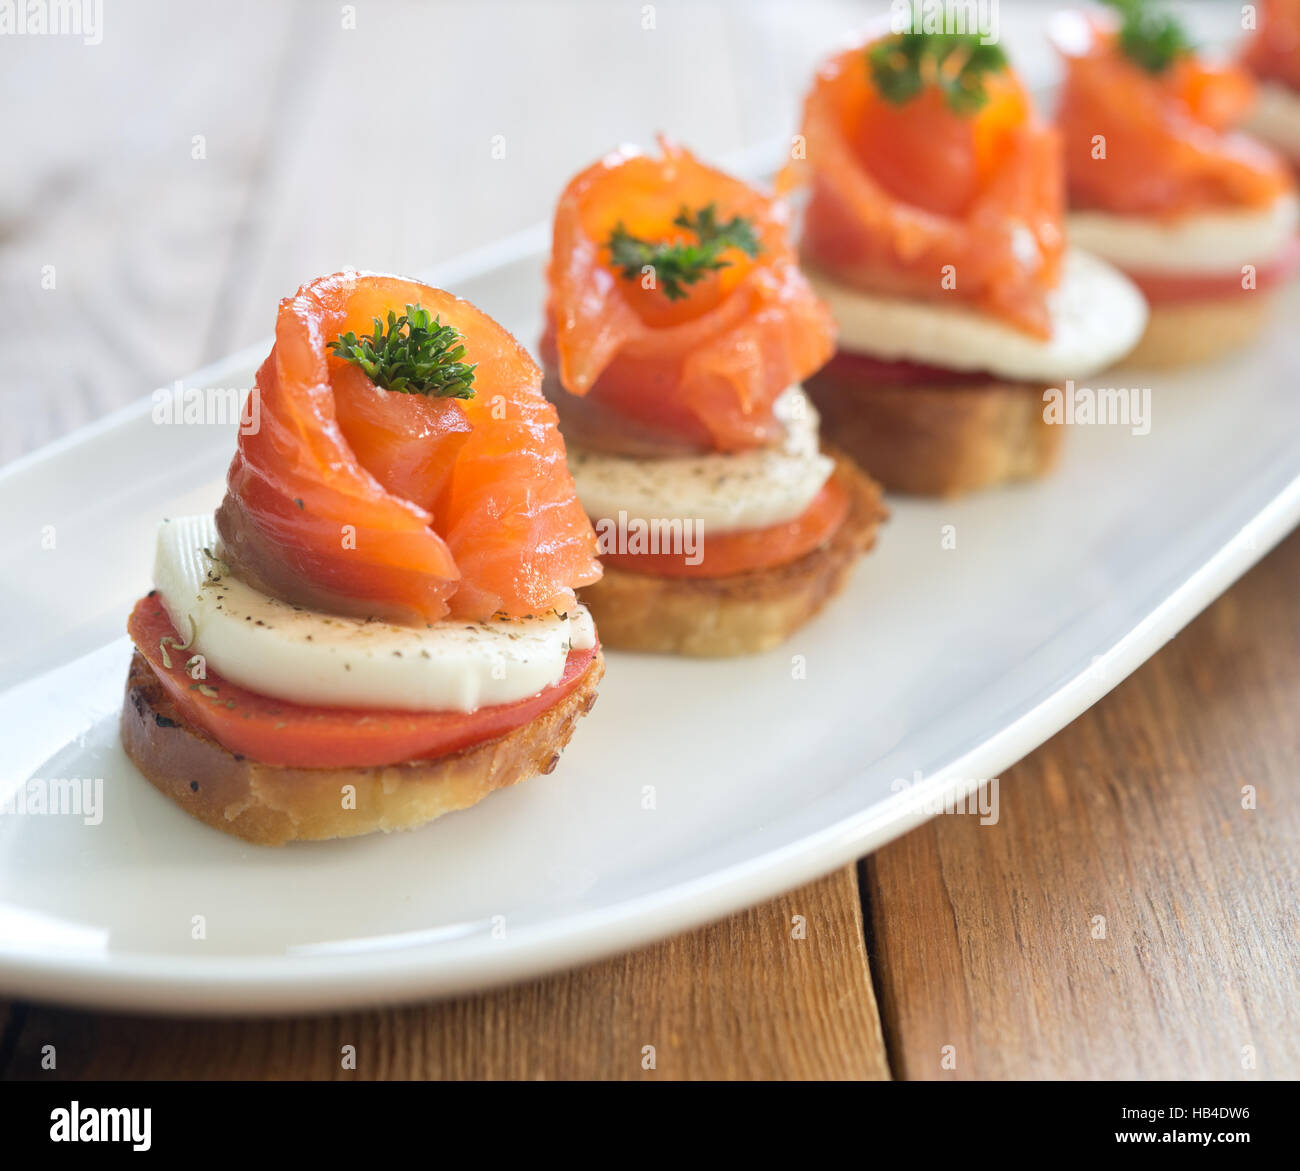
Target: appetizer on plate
1201 216
379 625
934 229
1273 56
678 330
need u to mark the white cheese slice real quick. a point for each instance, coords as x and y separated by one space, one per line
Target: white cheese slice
718 493
1211 242
1097 314
1276 118
306 657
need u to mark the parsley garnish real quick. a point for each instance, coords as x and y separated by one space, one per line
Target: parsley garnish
1153 40
679 265
902 65
418 355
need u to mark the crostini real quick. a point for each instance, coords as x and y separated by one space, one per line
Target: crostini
1272 54
934 229
1202 216
379 625
678 329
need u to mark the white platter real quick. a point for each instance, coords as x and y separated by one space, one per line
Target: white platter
937 669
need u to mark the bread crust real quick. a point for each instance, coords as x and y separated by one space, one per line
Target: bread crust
743 613
270 805
1183 333
939 440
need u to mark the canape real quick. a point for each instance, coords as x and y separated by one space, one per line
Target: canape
1272 54
1201 216
678 330
379 625
934 229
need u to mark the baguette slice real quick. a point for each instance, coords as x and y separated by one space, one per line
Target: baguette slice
270 805
939 440
1182 333
746 612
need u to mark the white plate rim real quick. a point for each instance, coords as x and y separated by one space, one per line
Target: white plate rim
287 984
293 984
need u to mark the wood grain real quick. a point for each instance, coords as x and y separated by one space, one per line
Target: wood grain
752 997
164 259
116 232
984 935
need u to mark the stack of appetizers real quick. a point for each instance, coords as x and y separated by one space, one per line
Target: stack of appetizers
934 229
380 625
678 331
1273 56
1200 215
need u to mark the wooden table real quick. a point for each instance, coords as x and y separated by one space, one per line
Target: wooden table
1127 916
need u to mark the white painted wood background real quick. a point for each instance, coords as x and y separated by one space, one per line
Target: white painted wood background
325 145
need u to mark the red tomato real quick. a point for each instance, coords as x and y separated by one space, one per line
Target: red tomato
752 549
1164 288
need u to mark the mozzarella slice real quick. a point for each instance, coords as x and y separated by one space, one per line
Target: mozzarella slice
1217 242
306 657
1098 315
719 493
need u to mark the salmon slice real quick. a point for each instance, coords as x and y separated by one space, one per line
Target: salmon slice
903 194
702 371
408 442
356 500
1168 146
1273 50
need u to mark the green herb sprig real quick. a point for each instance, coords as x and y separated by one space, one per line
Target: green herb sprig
678 265
902 65
1153 40
417 355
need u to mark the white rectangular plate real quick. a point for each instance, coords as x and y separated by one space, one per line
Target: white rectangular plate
938 668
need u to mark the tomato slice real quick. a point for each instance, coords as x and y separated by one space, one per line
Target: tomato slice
751 549
276 732
1165 288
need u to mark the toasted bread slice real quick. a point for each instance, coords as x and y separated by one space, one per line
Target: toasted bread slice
1182 333
939 440
745 612
270 805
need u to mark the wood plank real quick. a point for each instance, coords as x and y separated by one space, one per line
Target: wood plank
983 935
115 240
492 159
163 262
740 999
